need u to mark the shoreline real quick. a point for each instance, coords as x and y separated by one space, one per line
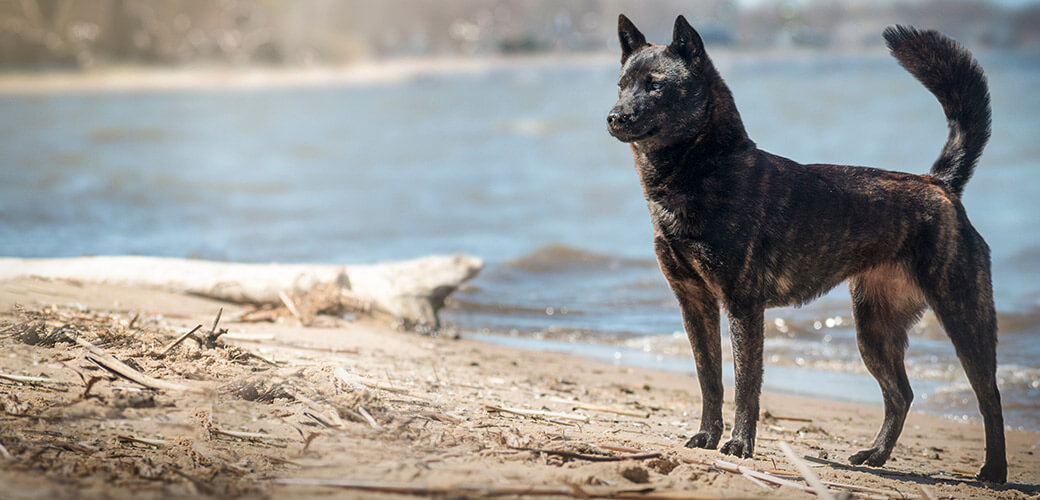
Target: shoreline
430 399
362 72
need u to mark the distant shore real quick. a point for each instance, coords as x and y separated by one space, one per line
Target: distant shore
188 77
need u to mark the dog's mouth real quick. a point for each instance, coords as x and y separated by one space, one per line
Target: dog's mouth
627 136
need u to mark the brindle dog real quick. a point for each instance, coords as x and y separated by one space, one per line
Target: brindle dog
740 228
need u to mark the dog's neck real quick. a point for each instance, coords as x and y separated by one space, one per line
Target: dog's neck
721 140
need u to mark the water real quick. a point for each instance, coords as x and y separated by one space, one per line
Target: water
513 164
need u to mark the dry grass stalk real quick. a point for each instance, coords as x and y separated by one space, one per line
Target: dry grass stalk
357 383
622 449
106 361
368 418
591 407
159 443
4 453
768 415
807 472
290 306
479 490
31 380
166 350
874 493
590 458
251 436
548 415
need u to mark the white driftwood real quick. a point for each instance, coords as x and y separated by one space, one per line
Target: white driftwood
412 291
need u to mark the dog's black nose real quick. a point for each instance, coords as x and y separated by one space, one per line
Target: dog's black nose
616 118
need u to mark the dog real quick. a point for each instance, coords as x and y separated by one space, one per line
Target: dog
740 229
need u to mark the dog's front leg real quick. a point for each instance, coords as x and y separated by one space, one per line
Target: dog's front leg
746 332
700 312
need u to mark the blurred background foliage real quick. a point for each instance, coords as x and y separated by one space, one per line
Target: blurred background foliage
72 34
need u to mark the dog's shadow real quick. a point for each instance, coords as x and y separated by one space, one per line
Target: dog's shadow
927 479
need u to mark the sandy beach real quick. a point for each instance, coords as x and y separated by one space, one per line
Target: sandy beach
273 409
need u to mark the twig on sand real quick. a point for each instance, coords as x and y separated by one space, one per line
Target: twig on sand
771 477
591 407
106 361
590 458
210 340
749 472
807 472
927 492
32 380
290 306
768 415
159 443
368 418
356 382
4 453
622 449
169 347
258 437
481 490
548 415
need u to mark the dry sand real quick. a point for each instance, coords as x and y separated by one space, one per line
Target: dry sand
413 413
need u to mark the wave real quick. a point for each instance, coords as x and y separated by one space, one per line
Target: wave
559 258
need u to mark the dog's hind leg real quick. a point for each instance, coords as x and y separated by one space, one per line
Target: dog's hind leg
885 303
961 295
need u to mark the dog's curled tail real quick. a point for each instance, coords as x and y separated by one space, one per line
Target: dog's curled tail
950 72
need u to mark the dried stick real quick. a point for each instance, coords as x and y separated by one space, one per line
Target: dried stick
4 453
622 449
756 481
177 342
368 418
251 436
134 439
537 413
117 367
479 490
586 406
590 458
355 382
807 472
781 417
290 306
31 380
210 341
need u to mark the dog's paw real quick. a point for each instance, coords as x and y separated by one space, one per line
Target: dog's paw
993 473
738 447
703 439
874 457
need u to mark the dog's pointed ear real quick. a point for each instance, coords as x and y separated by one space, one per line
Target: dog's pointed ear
630 37
686 43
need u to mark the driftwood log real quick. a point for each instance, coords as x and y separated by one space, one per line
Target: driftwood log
410 291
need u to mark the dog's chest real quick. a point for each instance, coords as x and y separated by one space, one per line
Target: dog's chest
669 218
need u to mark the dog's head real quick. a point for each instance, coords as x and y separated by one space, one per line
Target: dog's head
663 90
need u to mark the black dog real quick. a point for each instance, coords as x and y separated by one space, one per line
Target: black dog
742 228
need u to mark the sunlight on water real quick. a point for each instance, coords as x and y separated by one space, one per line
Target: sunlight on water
513 163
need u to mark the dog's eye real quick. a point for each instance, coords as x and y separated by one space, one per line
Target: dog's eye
652 85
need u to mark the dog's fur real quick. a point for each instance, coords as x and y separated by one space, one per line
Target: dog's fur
740 228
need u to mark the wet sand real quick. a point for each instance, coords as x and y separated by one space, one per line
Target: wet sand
358 401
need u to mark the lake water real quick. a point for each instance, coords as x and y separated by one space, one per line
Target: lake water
513 163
